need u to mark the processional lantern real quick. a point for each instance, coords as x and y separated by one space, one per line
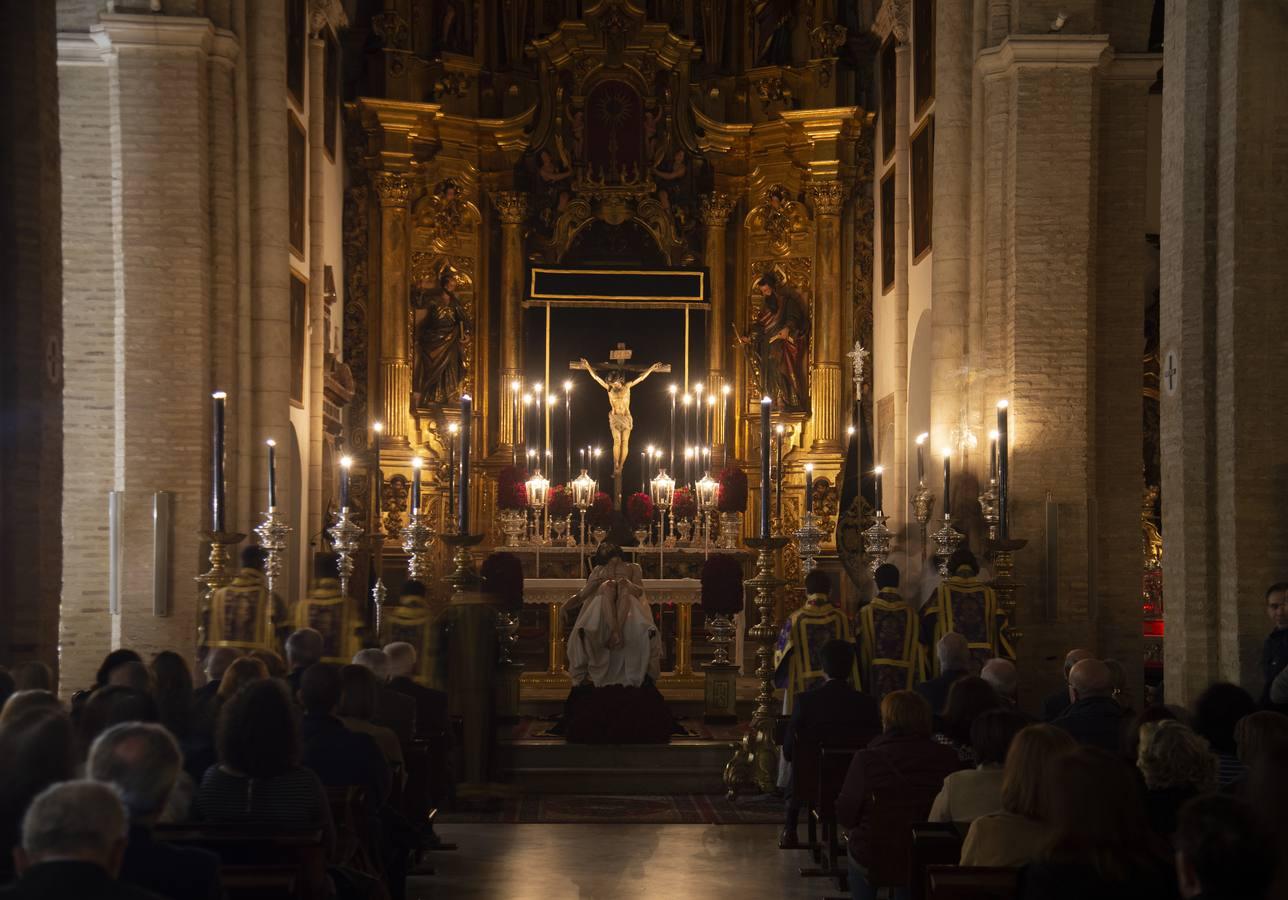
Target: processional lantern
663 490
583 490
538 491
708 489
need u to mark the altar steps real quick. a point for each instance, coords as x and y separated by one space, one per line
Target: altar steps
550 766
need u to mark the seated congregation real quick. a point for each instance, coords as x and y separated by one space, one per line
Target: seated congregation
273 778
939 786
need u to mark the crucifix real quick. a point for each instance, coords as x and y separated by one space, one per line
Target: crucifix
1170 373
614 380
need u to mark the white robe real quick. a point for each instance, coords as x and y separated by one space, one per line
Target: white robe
640 650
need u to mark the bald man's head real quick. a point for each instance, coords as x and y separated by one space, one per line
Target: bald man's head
1090 678
1073 657
954 652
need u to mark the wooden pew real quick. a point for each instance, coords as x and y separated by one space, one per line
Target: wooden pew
355 845
833 764
933 844
971 883
254 858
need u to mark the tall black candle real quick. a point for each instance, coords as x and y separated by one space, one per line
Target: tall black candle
467 416
272 473
217 463
415 484
1003 469
947 482
765 406
778 480
451 471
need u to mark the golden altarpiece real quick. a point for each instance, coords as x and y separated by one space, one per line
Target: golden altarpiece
488 137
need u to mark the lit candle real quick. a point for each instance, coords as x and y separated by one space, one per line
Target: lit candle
415 484
567 432
778 469
467 416
688 401
765 406
1003 469
599 472
809 487
272 473
947 482
345 464
219 398
452 430
551 401
921 462
581 457
992 455
539 408
711 421
671 459
644 470
877 472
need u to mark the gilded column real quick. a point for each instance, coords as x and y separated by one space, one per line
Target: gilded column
394 191
715 209
827 198
512 207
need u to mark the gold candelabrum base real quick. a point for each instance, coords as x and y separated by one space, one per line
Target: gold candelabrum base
219 574
464 577
755 757
1002 552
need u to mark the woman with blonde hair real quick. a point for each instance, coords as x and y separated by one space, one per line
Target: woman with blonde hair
1017 834
1176 765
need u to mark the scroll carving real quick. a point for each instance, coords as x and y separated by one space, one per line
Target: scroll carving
780 216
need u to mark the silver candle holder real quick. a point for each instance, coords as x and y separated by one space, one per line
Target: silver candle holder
272 534
989 507
946 539
345 534
876 541
807 542
416 538
923 504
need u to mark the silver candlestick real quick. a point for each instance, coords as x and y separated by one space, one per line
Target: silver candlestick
988 507
923 504
378 595
807 539
946 539
416 538
876 541
344 538
272 534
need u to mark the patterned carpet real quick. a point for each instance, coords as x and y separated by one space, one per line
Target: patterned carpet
663 809
529 727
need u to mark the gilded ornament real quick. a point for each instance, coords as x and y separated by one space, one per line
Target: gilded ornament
715 208
826 39
512 206
392 188
780 216
827 197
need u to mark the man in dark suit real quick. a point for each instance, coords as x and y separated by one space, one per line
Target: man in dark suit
831 712
431 705
142 761
394 710
303 649
954 663
339 757
217 662
1095 719
73 840
1055 705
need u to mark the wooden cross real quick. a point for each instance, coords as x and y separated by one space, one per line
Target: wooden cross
619 361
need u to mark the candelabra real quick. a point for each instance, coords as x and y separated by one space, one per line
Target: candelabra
344 538
218 575
876 540
416 538
923 504
807 540
946 539
755 758
989 508
272 534
463 576
1004 583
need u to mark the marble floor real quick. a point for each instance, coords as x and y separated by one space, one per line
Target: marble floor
621 862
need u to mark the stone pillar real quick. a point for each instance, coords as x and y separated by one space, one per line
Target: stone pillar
715 209
827 197
394 191
31 346
512 206
1224 314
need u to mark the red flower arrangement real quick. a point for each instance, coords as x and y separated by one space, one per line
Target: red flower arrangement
559 503
600 514
722 585
683 504
639 510
733 491
512 488
502 575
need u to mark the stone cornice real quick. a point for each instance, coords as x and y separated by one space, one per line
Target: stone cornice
114 31
1071 51
1132 66
78 48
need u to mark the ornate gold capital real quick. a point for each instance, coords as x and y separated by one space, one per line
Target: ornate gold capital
392 188
512 205
715 208
827 197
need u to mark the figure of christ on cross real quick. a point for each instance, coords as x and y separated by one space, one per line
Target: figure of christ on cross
619 397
